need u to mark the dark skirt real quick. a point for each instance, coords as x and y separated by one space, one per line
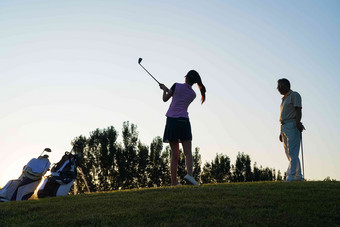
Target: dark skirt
177 129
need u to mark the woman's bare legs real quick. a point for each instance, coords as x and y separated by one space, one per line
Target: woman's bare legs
188 155
174 145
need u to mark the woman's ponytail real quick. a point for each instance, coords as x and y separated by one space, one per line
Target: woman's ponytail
202 89
194 77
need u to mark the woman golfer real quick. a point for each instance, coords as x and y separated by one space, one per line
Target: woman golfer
178 129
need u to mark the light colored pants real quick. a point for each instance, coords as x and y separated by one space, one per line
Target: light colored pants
291 143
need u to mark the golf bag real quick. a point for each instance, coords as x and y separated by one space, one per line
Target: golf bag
24 187
63 175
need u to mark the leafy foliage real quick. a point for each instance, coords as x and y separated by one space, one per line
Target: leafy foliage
110 165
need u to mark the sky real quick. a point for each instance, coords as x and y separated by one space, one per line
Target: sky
70 67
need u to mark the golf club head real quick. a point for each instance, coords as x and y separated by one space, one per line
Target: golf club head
140 60
47 150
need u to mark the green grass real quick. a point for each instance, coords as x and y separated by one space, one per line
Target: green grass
236 204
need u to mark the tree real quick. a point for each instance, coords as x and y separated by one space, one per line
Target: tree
206 176
102 143
83 164
128 156
155 164
257 173
242 171
247 168
143 162
220 168
97 162
165 167
108 165
267 174
181 171
197 162
279 177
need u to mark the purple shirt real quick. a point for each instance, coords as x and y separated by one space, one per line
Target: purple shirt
182 96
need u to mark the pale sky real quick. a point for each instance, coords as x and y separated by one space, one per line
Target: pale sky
69 67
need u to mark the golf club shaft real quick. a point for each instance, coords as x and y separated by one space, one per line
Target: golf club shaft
149 73
303 165
43 152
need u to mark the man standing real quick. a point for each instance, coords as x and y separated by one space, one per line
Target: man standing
291 128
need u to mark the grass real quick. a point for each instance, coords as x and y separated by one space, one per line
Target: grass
237 204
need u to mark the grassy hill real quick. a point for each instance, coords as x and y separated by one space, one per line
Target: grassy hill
261 203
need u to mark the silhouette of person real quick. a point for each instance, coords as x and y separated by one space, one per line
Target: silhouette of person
178 128
291 128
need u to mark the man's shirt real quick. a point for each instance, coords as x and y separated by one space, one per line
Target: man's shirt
288 106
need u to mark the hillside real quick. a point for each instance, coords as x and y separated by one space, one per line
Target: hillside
261 203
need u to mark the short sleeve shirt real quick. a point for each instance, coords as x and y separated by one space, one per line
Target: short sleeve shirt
288 106
182 96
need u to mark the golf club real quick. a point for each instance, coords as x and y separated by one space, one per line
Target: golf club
46 150
303 165
139 62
